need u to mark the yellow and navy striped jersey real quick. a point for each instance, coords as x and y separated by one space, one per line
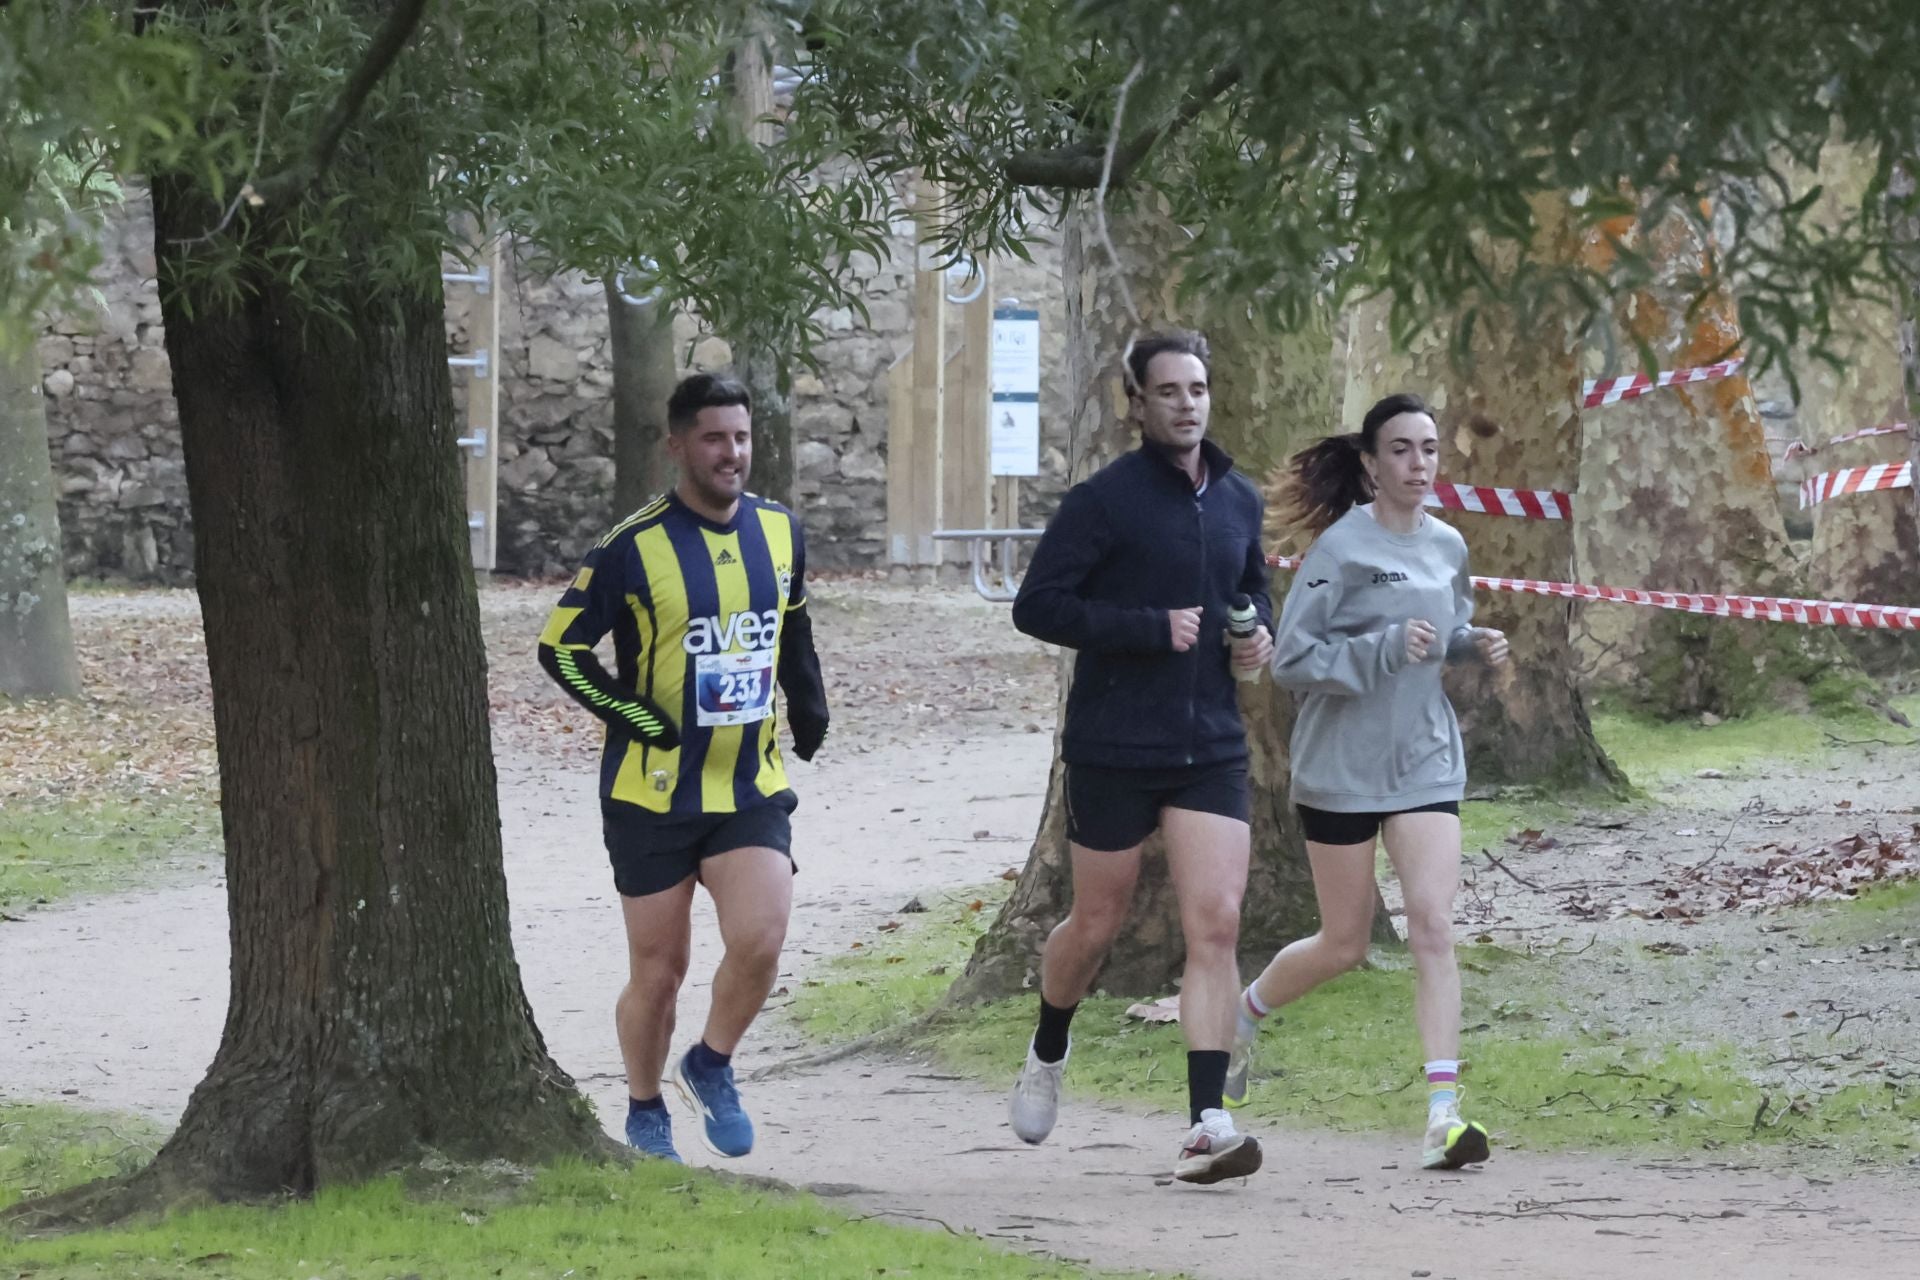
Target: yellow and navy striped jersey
704 618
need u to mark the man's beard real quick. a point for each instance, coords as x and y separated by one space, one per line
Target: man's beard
714 496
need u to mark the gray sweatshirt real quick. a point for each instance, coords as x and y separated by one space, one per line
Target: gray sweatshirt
1374 733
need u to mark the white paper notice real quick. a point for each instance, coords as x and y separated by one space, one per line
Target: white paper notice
1015 422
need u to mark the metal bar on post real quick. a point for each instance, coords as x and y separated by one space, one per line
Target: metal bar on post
1007 585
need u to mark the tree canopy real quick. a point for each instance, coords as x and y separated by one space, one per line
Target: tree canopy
1316 150
594 132
1334 150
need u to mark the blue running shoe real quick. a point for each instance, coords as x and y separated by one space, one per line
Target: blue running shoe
710 1092
651 1134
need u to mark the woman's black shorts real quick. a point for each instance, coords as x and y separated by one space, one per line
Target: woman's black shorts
1323 826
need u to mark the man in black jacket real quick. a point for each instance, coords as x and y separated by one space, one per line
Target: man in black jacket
1137 571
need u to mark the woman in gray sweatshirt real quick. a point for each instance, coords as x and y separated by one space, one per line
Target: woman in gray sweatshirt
1380 601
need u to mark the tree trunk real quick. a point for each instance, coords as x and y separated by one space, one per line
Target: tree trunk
1511 419
1677 494
1866 546
36 638
1905 228
640 340
1258 402
763 370
375 1009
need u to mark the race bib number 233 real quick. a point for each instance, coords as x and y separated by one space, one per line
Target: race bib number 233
734 688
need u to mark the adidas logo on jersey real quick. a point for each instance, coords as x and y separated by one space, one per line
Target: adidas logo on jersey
725 557
746 630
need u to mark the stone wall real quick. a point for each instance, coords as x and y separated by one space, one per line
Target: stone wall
116 442
112 425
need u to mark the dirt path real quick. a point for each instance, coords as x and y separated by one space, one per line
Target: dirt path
118 1004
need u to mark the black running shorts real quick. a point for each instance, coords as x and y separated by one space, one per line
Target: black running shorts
1323 826
1111 810
652 853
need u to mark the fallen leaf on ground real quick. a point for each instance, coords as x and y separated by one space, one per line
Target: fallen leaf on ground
1165 1009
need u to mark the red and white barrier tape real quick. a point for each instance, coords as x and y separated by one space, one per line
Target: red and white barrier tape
1528 504
1824 613
1605 391
1831 484
1800 448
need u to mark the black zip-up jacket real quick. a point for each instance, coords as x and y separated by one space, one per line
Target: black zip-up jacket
1127 545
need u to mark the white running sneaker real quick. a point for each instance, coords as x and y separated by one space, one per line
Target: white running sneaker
1240 1061
1035 1102
1214 1151
1453 1142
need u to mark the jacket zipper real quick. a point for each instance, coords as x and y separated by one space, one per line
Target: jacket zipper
1193 679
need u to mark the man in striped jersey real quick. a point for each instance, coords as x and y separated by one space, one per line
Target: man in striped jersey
704 591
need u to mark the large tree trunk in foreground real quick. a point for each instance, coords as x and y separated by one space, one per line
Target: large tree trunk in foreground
36 638
1250 403
375 1010
640 341
1677 494
1511 419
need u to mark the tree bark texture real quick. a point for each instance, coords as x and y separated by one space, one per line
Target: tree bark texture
1510 417
1866 546
1677 493
36 636
763 370
1256 400
1904 191
375 1009
640 340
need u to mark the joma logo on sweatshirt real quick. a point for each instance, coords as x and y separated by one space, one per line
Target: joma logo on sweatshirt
1388 575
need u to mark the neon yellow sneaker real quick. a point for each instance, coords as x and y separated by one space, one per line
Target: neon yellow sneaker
1453 1142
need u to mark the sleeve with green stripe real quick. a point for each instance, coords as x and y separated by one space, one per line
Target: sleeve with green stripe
586 612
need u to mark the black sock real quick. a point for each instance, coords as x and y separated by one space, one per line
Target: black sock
1206 1080
636 1105
706 1057
1050 1040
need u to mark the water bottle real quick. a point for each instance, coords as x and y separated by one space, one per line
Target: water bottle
1242 622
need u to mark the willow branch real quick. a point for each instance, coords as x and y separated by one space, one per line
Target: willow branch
392 37
1081 164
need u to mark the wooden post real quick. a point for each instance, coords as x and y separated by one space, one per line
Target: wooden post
929 382
1007 503
965 480
483 409
900 450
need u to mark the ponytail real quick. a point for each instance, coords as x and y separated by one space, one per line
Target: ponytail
1324 481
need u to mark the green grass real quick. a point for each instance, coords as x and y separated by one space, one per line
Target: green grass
899 974
62 851
659 1221
1347 1057
1882 914
1654 751
43 1149
1486 824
